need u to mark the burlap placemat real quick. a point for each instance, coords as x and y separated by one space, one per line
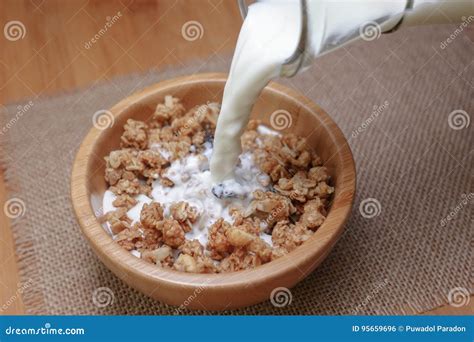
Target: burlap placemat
408 243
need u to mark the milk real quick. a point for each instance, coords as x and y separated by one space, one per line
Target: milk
192 183
271 34
268 36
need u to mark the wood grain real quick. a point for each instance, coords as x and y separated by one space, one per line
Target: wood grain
52 56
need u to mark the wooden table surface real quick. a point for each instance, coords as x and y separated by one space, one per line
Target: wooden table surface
52 57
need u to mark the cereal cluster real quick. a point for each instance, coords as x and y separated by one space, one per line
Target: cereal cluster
292 208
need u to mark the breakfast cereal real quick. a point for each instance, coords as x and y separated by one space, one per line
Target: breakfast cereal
161 204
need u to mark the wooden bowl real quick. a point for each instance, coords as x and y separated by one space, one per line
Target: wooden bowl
213 291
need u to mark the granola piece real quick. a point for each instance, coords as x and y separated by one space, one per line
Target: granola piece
289 236
130 185
112 176
185 214
145 189
186 263
127 238
154 137
278 252
208 115
115 165
133 164
198 138
247 224
178 149
280 157
186 126
153 162
197 120
118 158
165 181
194 249
249 140
270 164
323 190
134 134
114 159
317 161
314 214
173 233
218 243
299 187
128 175
151 215
205 265
125 186
262 249
123 165
271 207
238 237
118 220
170 108
150 238
294 142
160 136
240 259
295 152
318 174
162 256
125 201
253 124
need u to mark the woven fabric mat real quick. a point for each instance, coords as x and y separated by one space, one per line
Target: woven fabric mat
408 243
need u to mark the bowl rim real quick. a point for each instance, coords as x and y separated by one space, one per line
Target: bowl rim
313 250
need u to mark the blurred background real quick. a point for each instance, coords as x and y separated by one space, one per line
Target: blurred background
53 55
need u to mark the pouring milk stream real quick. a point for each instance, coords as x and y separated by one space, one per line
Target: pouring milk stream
280 37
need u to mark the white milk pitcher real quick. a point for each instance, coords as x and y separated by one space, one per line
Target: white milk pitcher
329 24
